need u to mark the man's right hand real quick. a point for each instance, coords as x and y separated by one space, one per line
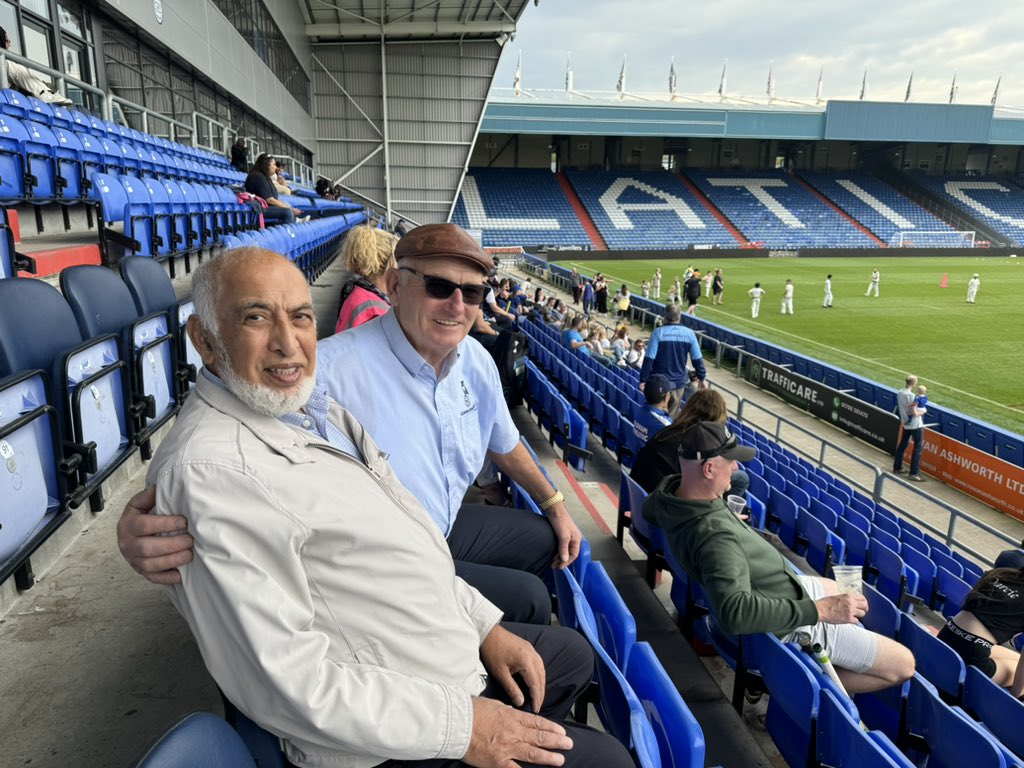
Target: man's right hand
503 735
139 538
841 609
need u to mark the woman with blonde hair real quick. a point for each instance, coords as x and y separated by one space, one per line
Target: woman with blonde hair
368 253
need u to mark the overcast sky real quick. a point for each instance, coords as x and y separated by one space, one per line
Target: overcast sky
936 39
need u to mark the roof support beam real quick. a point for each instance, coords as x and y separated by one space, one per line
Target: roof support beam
359 31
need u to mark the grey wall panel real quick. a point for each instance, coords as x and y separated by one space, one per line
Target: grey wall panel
870 121
435 98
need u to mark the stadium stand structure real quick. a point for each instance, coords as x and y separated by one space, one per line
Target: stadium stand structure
777 211
512 207
644 210
880 208
997 202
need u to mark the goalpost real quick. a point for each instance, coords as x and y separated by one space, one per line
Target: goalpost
919 238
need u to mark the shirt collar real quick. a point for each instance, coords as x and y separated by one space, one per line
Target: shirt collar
410 359
315 408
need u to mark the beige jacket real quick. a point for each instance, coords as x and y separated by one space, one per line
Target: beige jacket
323 597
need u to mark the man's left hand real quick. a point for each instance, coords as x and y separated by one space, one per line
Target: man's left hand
568 535
505 655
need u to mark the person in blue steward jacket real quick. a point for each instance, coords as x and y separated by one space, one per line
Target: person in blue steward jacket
668 351
653 416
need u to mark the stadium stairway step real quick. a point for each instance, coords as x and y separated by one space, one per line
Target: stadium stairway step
840 211
713 210
581 212
52 253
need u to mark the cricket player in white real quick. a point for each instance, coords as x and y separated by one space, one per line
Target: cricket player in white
873 285
972 288
755 295
827 301
787 298
656 283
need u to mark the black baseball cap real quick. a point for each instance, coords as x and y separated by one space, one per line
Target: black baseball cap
707 439
656 387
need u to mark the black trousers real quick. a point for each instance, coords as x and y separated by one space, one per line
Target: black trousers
569 663
915 456
503 552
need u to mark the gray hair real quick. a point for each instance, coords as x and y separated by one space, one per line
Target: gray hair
207 282
672 313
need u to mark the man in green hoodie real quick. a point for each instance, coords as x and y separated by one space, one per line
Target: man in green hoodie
750 587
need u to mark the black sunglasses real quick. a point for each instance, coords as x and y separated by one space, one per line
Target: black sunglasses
440 288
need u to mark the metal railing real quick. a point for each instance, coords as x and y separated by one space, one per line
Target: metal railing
204 125
299 171
175 130
60 80
938 517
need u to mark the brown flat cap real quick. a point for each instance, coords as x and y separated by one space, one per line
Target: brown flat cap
443 240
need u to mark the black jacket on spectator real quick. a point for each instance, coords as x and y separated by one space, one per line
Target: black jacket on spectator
258 184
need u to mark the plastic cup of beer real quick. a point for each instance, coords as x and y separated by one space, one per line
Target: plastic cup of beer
849 579
736 503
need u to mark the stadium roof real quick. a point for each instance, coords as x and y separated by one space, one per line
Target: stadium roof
613 114
397 20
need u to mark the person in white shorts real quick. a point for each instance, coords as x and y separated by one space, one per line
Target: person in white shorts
972 288
876 276
656 283
787 298
755 295
827 301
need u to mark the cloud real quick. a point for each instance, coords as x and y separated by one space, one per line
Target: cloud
797 38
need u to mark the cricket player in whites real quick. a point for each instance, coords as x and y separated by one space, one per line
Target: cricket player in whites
873 285
755 295
827 301
787 298
972 288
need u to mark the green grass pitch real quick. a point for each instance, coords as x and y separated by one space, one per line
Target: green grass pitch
970 356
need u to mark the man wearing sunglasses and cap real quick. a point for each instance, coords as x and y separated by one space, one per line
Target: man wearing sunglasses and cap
749 585
431 400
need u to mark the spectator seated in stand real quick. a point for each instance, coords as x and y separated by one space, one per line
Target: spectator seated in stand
260 182
23 80
240 156
368 254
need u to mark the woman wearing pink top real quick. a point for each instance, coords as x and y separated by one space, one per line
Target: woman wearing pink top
368 254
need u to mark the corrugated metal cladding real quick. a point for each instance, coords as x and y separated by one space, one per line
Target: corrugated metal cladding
1007 130
436 94
868 121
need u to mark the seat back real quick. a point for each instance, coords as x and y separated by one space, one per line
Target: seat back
680 738
149 284
950 592
616 626
951 738
200 738
793 706
842 742
997 709
939 664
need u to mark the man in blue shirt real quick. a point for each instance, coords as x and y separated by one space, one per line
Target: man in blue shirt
670 347
431 399
653 417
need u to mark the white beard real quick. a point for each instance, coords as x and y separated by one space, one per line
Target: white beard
263 399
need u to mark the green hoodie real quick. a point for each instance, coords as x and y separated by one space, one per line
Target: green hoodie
749 585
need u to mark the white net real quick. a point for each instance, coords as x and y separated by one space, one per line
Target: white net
918 238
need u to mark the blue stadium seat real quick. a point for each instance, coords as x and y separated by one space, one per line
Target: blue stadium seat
680 738
90 384
198 739
996 707
616 626
950 591
939 664
843 743
883 617
102 304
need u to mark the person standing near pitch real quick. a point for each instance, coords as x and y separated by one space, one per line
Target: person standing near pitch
787 298
972 288
717 287
827 301
873 285
755 295
656 283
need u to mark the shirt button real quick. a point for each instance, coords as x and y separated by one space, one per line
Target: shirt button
307 423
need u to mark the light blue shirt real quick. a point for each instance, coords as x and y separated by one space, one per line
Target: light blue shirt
437 430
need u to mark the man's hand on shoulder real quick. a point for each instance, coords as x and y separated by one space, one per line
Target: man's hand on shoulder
505 655
504 737
154 545
841 609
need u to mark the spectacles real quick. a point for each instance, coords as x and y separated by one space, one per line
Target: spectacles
441 288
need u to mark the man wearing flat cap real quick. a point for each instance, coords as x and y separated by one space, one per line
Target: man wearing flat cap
749 585
432 401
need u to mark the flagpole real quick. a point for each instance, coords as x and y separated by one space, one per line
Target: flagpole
818 90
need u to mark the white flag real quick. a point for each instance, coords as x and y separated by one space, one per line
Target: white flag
953 90
995 93
864 86
818 90
568 72
621 85
910 86
721 83
517 82
771 81
672 77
